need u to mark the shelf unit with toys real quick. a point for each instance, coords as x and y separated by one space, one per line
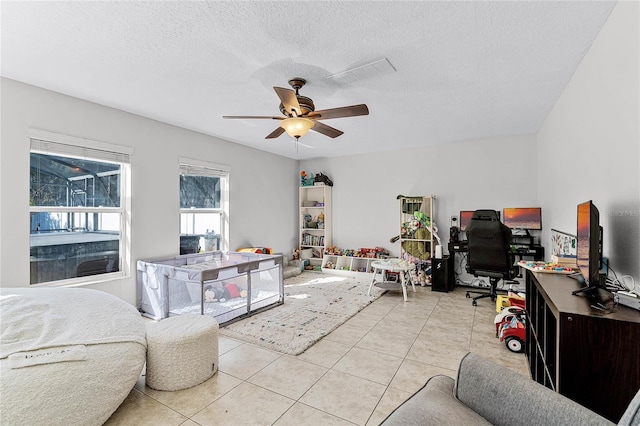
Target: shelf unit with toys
417 236
315 222
351 263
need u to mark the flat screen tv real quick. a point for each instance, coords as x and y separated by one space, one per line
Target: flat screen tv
589 245
465 219
529 218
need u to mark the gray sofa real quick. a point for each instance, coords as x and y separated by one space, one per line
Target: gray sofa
485 393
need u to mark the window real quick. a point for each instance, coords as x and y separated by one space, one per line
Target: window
204 206
78 208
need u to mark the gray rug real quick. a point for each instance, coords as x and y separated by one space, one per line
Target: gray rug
315 304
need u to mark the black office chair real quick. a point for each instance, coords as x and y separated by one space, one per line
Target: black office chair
489 252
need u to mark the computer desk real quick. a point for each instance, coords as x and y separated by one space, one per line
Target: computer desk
519 251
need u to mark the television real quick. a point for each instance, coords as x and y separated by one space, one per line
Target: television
528 218
589 246
465 219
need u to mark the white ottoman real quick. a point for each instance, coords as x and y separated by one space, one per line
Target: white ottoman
182 352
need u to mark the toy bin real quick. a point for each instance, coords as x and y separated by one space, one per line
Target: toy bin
226 286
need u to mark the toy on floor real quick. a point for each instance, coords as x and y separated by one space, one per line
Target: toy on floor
257 250
511 299
511 329
234 291
213 294
222 294
422 278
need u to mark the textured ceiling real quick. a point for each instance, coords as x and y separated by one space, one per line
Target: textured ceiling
465 70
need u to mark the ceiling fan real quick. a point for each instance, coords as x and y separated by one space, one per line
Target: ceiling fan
300 115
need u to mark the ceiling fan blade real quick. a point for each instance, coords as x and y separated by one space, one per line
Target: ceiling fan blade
277 132
289 100
326 130
251 117
348 111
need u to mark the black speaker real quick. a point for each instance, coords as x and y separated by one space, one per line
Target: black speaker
454 233
442 278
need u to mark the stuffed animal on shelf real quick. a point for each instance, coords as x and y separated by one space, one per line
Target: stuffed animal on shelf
423 219
418 248
295 254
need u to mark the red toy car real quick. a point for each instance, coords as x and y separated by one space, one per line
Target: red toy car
511 329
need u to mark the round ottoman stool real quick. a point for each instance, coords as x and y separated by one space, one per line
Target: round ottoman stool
182 352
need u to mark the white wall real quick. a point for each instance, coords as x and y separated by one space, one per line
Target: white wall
493 174
592 131
589 143
263 209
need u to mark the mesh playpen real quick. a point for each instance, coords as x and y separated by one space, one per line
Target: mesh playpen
224 285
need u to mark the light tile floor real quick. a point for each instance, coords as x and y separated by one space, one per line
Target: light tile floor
356 375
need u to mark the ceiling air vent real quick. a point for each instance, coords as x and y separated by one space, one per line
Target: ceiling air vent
375 68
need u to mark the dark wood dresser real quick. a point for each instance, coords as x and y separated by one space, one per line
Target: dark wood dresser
590 356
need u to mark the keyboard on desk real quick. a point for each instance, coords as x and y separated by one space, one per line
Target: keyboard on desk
523 250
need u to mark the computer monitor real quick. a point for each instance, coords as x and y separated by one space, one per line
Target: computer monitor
465 219
589 245
529 218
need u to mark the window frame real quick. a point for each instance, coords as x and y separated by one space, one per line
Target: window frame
49 143
194 167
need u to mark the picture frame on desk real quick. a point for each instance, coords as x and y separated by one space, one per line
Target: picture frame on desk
563 244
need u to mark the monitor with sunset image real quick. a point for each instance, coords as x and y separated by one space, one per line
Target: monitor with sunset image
589 246
529 218
465 219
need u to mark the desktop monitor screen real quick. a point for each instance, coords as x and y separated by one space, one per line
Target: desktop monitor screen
589 243
523 218
465 219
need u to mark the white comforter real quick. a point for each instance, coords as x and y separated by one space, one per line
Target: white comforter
42 318
67 355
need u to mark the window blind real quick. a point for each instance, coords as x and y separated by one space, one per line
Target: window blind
189 166
57 144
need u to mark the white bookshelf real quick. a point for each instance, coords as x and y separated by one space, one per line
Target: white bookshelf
348 265
315 201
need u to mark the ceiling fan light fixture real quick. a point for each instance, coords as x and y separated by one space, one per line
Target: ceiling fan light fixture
296 127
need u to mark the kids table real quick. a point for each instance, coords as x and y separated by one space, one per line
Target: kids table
392 265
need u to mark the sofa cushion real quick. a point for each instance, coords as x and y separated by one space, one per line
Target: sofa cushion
631 416
434 404
504 397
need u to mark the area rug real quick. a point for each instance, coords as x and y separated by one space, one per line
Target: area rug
315 304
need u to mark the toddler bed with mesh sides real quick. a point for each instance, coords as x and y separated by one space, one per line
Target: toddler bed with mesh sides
224 285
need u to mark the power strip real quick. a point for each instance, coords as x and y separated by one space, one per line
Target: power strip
627 298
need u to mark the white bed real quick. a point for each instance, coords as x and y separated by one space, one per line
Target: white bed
67 355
